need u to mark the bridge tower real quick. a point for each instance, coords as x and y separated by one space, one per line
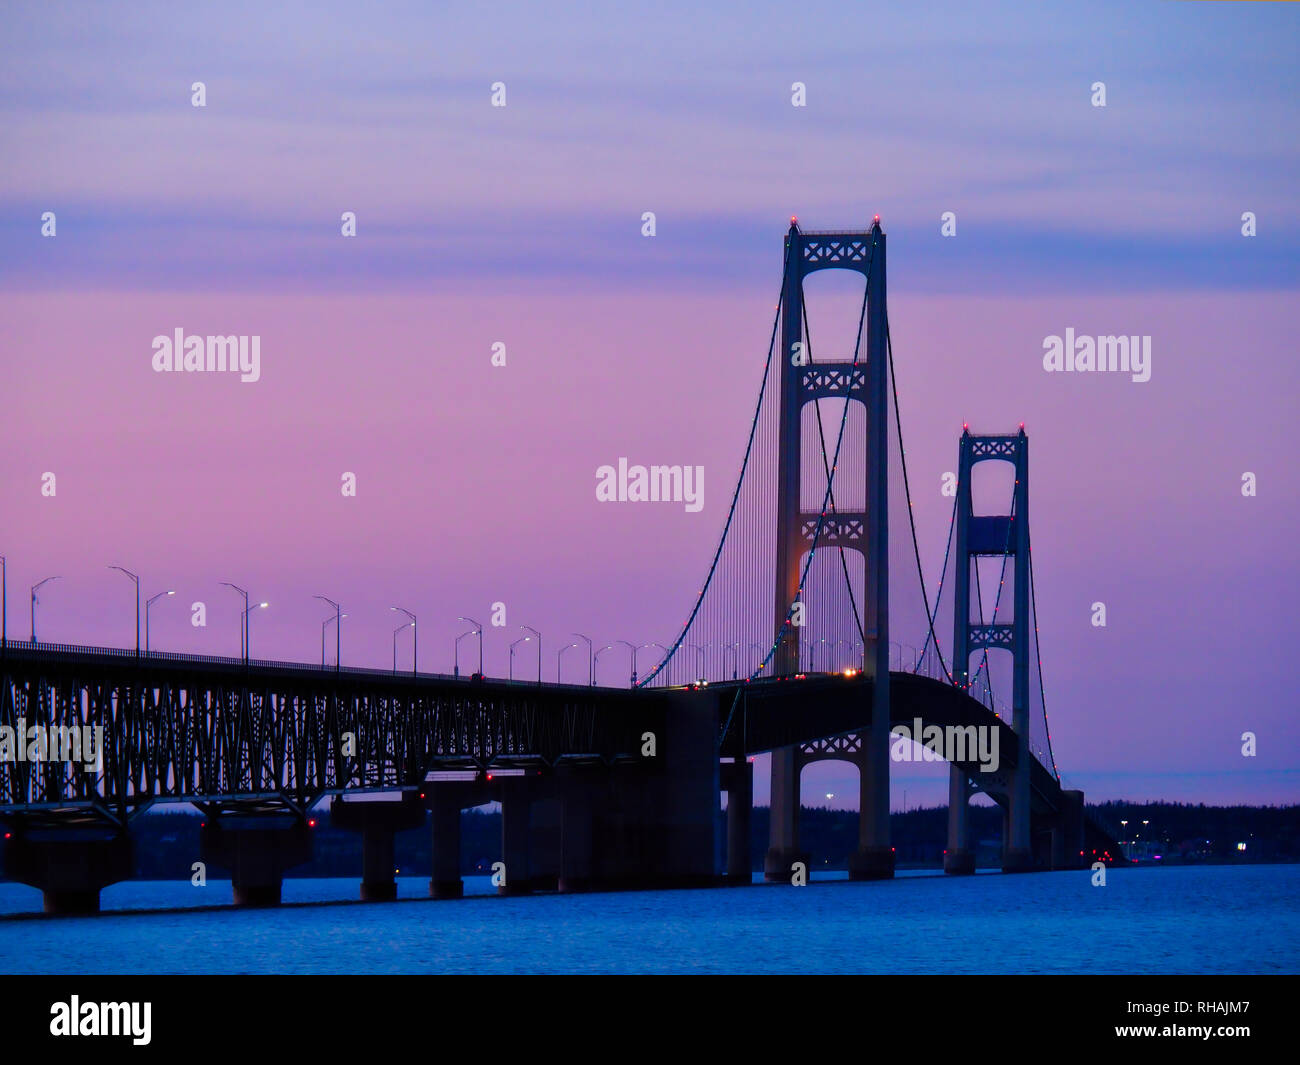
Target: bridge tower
866 532
993 535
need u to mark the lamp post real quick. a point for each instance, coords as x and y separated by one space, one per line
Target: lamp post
591 665
149 603
835 660
135 578
596 660
243 619
529 628
456 651
323 626
338 631
632 653
478 629
700 673
559 661
661 661
522 639
396 632
248 637
735 661
35 601
415 641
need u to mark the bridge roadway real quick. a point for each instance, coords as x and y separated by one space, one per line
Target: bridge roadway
633 776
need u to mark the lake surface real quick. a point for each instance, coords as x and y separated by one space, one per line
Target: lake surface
1219 919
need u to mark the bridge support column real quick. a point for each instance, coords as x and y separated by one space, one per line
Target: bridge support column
576 871
444 801
545 843
1068 833
257 849
1017 854
516 817
959 857
874 858
738 780
783 834
70 866
378 821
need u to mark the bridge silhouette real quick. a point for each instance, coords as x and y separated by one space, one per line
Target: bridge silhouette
816 569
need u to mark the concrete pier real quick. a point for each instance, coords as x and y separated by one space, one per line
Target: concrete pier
738 782
257 849
783 847
874 858
576 833
445 802
378 820
1068 832
70 865
516 825
959 856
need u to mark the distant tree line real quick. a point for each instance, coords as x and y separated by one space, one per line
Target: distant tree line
167 844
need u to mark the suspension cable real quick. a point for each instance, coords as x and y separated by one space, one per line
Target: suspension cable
911 517
731 513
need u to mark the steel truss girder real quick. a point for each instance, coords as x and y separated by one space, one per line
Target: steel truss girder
841 528
221 734
833 380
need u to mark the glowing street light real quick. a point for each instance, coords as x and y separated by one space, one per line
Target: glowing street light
148 603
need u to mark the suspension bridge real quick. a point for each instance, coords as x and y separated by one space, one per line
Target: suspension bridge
795 645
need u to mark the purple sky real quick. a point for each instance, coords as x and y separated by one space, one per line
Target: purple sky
522 225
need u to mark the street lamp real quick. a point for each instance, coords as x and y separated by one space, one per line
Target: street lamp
323 626
456 651
700 672
136 579
596 660
415 641
632 650
148 603
338 631
735 661
35 601
243 620
591 665
529 628
661 661
522 639
559 660
834 658
248 638
478 629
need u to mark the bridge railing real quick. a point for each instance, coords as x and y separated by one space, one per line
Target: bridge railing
127 654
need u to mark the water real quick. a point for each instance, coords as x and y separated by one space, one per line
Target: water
1221 919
